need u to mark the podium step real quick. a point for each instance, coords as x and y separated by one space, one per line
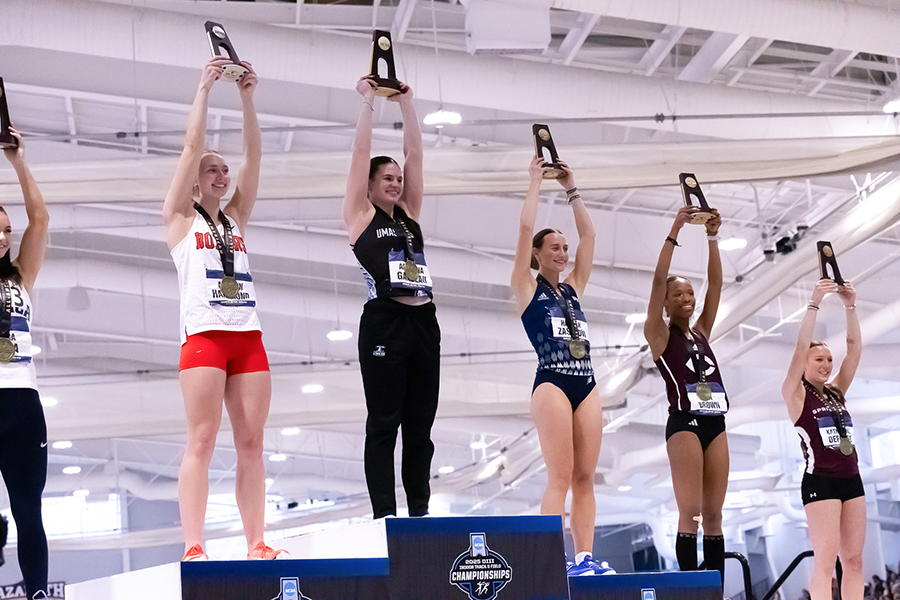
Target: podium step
345 579
692 585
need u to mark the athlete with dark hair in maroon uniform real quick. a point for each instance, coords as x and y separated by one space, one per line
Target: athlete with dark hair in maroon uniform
832 489
695 432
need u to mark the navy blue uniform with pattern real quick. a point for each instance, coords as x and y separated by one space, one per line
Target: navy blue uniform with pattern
545 324
547 328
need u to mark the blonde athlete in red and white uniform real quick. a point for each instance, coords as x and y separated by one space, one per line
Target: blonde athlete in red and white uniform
222 355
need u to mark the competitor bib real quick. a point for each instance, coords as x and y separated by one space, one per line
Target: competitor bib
396 268
712 402
831 437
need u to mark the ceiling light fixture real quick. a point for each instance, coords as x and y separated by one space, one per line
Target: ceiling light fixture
312 388
35 350
278 457
339 335
442 117
49 401
478 445
73 470
891 102
62 445
624 488
732 243
635 318
290 431
446 470
81 493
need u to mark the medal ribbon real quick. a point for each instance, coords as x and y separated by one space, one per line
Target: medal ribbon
5 309
698 359
410 253
565 304
834 408
226 246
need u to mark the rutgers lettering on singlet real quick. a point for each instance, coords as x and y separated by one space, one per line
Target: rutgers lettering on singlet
19 372
548 332
199 265
676 365
820 440
380 251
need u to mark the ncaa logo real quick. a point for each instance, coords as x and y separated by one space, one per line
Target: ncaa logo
290 589
648 594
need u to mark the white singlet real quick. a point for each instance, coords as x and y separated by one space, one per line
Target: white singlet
199 265
19 373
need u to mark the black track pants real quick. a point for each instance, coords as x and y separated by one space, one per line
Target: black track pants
23 464
399 355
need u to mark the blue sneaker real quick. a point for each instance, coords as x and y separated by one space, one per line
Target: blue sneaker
600 568
573 570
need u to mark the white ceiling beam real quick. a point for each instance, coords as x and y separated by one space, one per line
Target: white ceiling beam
574 40
830 67
659 50
829 23
753 49
319 59
712 57
401 19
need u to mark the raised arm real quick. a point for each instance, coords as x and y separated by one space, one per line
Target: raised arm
792 389
245 192
34 239
357 209
707 318
178 211
522 281
584 254
655 330
854 339
413 179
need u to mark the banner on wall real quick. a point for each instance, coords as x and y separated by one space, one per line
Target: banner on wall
56 589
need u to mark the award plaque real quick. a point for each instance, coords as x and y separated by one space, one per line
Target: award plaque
218 40
543 140
690 188
7 139
827 257
383 49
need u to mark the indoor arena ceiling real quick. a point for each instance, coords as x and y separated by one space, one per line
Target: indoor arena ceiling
775 105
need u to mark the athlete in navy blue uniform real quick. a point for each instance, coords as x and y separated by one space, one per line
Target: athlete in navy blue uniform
695 432
399 337
23 430
833 495
565 404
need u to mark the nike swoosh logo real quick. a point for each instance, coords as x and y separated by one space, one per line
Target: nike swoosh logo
43 444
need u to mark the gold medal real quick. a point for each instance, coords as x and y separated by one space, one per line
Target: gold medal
846 446
577 348
7 350
229 287
704 392
411 270
827 251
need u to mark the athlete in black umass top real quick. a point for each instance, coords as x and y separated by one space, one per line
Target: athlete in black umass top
399 337
695 432
832 489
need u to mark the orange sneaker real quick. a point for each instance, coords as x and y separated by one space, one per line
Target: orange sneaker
195 553
263 552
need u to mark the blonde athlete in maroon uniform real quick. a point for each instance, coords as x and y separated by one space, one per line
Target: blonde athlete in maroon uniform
833 495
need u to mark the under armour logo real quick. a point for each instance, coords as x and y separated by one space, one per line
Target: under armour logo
379 351
812 495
